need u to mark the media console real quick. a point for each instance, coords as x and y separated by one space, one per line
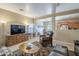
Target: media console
15 39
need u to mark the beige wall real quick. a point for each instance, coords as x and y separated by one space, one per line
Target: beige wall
10 18
66 38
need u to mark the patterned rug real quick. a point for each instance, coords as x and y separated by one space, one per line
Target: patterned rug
47 51
56 50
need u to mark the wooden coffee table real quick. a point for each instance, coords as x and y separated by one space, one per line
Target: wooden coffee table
34 49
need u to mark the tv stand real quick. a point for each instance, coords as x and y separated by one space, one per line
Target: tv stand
15 39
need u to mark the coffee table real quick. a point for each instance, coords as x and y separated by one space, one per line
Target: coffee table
34 49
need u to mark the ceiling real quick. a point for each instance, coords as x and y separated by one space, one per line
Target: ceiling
36 10
67 6
68 17
73 14
29 9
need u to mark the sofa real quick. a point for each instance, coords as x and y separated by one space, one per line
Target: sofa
59 50
4 51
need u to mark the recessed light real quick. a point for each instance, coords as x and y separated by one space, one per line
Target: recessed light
21 9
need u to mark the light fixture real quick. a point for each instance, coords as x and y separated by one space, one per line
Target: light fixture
21 9
2 21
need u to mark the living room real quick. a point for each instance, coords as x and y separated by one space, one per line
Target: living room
39 29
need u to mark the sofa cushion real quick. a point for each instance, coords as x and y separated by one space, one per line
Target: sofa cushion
4 51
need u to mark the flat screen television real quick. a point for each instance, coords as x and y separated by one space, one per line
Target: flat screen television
17 29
